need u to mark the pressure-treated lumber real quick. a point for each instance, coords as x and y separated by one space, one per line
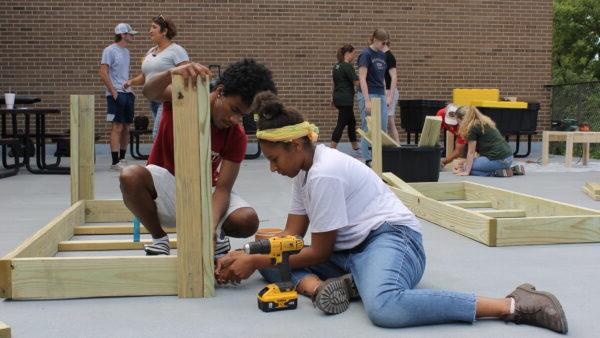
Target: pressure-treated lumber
4 330
449 143
107 211
570 137
104 245
396 182
533 206
191 129
377 160
82 147
441 191
122 229
592 190
507 213
465 222
471 204
386 139
430 132
548 230
79 277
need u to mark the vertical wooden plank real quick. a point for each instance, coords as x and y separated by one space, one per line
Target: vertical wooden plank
4 330
191 129
545 146
377 162
430 132
449 143
82 148
569 150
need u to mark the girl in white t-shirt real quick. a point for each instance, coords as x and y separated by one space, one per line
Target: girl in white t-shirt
364 242
163 56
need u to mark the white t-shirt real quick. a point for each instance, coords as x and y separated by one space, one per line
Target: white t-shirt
168 58
341 193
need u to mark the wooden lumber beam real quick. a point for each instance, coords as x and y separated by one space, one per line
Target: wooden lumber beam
449 143
376 152
83 277
548 230
364 135
386 139
4 330
82 147
593 195
471 204
441 191
44 243
121 229
506 213
467 223
396 182
430 132
105 245
191 128
533 206
107 211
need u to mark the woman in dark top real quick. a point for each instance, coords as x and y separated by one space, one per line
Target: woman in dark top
495 156
344 80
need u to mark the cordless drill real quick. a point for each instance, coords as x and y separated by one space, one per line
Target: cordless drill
282 295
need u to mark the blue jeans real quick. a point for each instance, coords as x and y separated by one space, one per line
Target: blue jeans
483 166
156 108
364 145
386 267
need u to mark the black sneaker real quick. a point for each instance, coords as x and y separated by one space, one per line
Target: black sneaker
503 173
156 249
333 295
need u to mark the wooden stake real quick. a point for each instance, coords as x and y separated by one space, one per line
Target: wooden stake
4 330
82 147
377 162
191 129
430 132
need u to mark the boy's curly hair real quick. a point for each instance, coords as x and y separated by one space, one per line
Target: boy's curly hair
246 78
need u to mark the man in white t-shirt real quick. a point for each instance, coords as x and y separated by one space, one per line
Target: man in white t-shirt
120 100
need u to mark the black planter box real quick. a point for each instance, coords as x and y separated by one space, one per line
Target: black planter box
411 163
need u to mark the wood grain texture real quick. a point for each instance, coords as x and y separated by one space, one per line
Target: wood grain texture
105 245
548 230
4 330
107 211
118 229
376 151
191 123
83 277
430 132
82 147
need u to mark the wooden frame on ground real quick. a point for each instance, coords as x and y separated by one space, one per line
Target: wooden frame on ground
31 272
493 216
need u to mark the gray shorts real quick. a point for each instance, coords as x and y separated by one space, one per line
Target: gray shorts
164 184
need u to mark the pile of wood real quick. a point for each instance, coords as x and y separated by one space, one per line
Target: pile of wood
593 190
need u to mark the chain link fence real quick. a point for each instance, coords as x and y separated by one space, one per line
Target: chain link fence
579 102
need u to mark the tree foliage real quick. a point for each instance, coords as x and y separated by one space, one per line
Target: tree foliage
576 45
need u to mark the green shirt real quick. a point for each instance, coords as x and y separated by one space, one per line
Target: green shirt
490 142
343 84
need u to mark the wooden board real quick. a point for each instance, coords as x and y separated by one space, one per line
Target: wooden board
507 213
118 229
533 206
105 245
593 195
191 129
386 139
82 147
441 191
107 211
377 160
82 277
4 330
467 223
396 182
430 132
471 204
548 230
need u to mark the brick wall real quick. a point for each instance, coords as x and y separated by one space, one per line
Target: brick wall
52 49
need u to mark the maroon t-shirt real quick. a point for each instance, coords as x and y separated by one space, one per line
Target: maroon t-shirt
229 144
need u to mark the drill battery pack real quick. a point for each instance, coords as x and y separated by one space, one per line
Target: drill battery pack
271 298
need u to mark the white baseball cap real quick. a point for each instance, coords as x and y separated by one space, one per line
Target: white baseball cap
450 120
124 28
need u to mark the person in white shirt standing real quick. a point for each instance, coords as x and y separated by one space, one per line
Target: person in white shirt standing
163 56
364 242
120 100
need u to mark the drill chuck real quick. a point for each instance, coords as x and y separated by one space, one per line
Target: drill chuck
261 246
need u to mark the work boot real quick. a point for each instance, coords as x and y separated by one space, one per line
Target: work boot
537 308
503 173
333 295
518 169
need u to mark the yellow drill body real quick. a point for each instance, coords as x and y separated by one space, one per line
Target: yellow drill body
282 295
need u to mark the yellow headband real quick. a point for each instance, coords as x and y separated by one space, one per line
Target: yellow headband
289 133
